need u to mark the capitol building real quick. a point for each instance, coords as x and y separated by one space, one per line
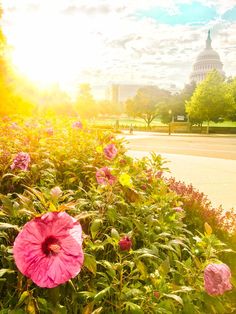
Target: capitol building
206 61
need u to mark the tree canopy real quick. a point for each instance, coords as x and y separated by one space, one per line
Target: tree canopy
211 100
176 104
146 103
85 103
10 100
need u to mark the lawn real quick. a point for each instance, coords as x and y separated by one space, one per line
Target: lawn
138 122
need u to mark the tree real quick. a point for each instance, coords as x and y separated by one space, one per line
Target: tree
232 86
107 107
10 100
176 104
146 103
211 100
85 103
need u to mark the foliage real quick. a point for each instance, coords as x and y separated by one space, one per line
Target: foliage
10 100
200 209
85 104
163 270
211 101
146 103
176 104
232 85
107 107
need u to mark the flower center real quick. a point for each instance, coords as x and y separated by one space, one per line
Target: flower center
51 246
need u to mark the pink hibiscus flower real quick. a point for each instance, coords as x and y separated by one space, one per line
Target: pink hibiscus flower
110 151
56 192
21 161
49 131
77 125
48 250
178 209
104 176
217 279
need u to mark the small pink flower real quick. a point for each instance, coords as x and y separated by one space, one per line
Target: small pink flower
217 279
77 125
110 151
48 250
159 174
56 192
178 209
49 131
104 176
21 161
156 294
14 126
125 243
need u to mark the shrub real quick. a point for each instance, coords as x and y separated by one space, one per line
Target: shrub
141 255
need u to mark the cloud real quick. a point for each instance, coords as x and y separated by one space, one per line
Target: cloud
109 42
88 9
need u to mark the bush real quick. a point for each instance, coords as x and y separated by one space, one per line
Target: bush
141 253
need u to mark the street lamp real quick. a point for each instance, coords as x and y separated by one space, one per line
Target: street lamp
170 113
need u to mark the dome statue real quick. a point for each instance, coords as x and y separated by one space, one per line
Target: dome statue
206 61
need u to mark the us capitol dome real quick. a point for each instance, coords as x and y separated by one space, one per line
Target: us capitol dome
207 61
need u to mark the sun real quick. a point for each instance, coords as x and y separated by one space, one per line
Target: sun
50 48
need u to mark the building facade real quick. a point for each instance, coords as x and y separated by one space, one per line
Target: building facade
206 61
119 93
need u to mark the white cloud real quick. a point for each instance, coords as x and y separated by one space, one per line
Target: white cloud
102 41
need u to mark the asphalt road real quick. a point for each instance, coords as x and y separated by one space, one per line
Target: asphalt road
221 146
208 162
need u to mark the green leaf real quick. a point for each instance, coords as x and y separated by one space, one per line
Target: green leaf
142 269
95 227
175 297
86 294
102 294
23 297
115 234
133 308
98 310
4 226
164 268
4 271
208 228
90 263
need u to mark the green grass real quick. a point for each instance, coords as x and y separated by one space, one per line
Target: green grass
137 122
222 124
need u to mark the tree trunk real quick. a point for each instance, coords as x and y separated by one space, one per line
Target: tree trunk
207 126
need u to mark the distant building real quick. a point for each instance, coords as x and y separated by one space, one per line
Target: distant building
119 93
207 61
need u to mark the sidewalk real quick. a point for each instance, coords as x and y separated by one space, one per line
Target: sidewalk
215 177
143 134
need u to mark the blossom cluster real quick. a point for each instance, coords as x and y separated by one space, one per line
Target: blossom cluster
21 161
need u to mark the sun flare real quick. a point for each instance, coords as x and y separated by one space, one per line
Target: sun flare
51 49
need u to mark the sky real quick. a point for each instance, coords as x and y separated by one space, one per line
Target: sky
102 42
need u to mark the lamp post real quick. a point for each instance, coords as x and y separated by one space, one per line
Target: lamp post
170 113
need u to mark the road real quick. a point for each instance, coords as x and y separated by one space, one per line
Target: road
208 162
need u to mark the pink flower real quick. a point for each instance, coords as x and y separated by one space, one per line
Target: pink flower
48 250
178 209
56 192
77 125
104 176
217 279
110 151
125 243
49 131
156 294
21 161
14 126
